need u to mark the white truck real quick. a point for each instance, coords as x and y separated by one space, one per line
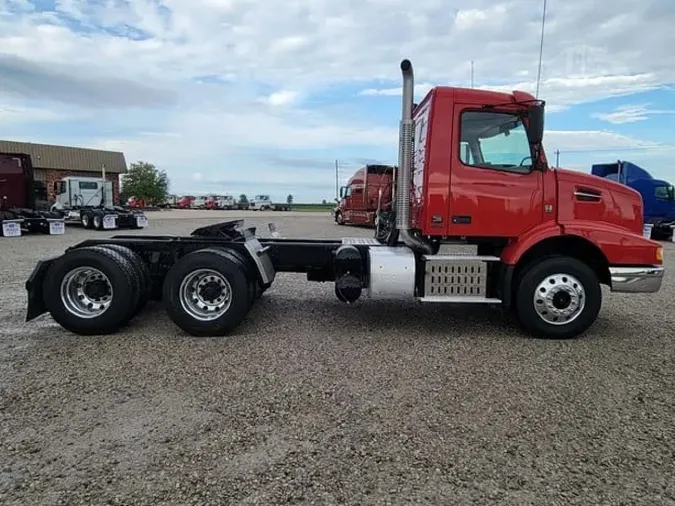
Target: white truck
88 201
264 203
199 203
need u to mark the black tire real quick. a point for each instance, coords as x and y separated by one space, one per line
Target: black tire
85 219
537 273
97 221
142 274
228 266
338 218
122 278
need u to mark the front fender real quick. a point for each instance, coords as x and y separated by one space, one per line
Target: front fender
620 247
515 250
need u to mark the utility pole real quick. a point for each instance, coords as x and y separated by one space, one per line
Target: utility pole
557 158
472 73
337 189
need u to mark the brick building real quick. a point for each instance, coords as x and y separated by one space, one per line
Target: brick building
51 163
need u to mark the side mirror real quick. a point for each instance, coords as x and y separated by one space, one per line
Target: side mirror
536 126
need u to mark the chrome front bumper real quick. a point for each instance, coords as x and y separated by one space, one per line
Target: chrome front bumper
636 279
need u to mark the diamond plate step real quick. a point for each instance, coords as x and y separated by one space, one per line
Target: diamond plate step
369 241
456 276
460 300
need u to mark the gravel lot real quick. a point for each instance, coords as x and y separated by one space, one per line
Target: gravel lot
315 402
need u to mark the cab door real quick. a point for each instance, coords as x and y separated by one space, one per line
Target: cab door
494 190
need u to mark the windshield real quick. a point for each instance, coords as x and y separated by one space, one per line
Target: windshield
495 140
665 192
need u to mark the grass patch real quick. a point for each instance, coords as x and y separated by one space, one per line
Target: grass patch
312 207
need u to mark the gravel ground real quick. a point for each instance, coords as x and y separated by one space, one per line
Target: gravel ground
315 402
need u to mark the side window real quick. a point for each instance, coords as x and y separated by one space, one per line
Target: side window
494 140
664 192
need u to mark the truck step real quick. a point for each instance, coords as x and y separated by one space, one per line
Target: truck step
456 276
453 257
369 241
452 299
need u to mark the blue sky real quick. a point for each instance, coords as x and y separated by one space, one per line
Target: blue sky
245 96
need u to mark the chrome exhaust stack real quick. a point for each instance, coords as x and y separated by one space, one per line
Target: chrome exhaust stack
405 160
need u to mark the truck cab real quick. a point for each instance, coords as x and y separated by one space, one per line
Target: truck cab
658 196
260 202
72 192
226 202
24 202
199 202
185 202
369 189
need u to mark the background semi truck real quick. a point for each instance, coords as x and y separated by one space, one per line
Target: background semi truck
23 200
369 189
88 201
658 196
543 245
265 203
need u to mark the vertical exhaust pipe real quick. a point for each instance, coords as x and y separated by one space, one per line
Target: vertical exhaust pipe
405 159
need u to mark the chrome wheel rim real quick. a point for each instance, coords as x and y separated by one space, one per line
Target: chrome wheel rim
85 220
205 294
559 299
86 292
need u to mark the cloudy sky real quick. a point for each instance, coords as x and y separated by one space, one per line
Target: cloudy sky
261 96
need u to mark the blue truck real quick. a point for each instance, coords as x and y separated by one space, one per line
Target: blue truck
658 196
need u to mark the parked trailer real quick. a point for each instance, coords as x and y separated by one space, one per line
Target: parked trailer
265 203
87 201
22 199
544 258
105 218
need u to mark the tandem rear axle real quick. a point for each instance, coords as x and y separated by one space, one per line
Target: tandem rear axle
209 280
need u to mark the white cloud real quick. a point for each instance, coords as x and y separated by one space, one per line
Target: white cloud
11 115
631 114
579 140
559 93
282 97
137 66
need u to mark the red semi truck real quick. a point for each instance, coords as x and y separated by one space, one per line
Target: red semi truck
369 189
24 205
471 170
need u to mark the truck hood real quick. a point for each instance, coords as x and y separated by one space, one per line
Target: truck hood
592 198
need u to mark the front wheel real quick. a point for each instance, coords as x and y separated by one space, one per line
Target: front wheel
558 298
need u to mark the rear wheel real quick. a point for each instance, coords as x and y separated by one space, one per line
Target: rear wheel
97 220
91 291
207 293
142 273
85 219
558 298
